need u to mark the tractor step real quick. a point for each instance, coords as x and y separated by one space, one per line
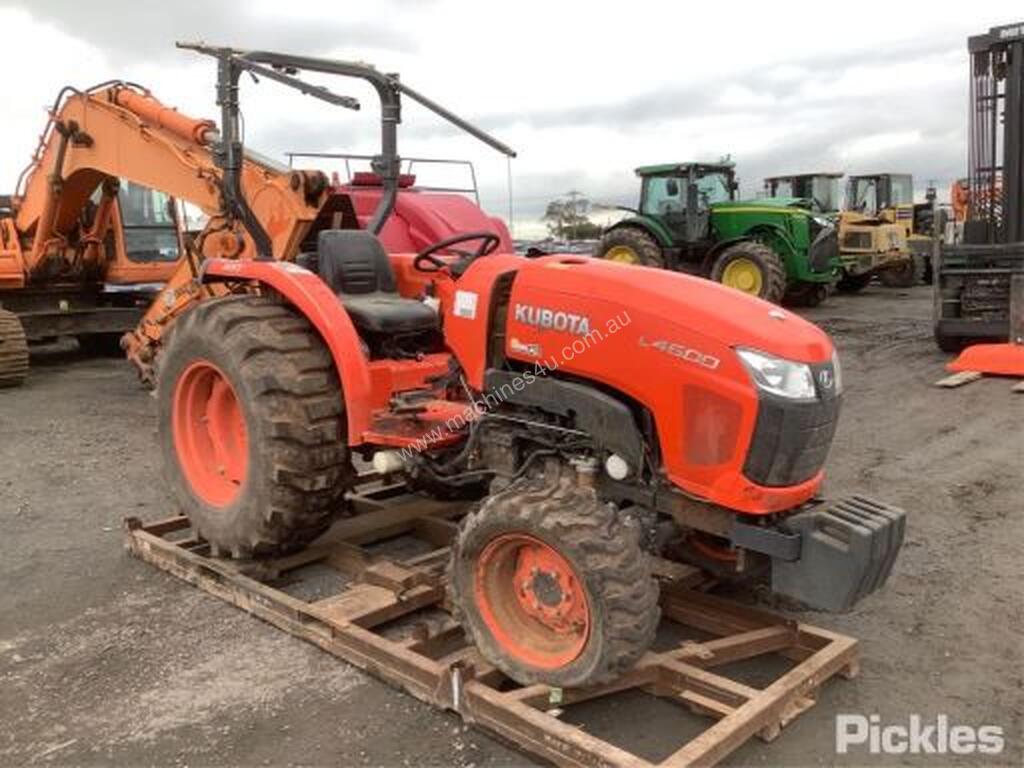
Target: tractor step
383 609
430 424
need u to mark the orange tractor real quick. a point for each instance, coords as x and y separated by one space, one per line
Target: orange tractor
600 412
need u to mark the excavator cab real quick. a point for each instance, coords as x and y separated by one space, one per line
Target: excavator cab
148 241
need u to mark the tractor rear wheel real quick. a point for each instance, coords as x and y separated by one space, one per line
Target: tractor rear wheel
553 585
631 245
13 350
252 426
753 268
905 275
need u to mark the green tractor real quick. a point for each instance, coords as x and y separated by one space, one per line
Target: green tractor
689 220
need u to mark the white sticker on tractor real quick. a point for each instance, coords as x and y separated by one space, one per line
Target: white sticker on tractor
465 304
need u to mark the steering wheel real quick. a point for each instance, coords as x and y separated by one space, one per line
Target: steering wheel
489 243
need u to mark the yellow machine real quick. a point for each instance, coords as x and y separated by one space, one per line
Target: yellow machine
889 197
869 244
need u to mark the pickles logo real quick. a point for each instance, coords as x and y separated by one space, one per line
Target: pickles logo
552 319
916 737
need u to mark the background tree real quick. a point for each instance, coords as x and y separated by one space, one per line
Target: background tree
568 218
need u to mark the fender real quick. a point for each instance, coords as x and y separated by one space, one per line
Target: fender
311 296
652 226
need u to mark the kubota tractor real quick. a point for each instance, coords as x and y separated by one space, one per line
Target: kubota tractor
602 413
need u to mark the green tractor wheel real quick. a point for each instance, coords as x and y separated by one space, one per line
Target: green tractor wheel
753 268
631 245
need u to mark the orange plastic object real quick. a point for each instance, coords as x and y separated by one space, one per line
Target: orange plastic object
994 359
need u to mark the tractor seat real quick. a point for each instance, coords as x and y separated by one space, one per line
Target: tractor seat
356 267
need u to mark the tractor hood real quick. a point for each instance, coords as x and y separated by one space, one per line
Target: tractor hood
767 204
697 307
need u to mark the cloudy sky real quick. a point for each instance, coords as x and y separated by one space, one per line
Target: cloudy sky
584 92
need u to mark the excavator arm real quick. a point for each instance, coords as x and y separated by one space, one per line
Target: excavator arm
117 131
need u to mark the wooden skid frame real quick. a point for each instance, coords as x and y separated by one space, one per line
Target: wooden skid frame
439 666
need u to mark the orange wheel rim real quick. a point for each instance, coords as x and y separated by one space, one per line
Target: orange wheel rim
210 435
532 601
713 551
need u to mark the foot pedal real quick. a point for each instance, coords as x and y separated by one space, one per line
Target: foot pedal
847 551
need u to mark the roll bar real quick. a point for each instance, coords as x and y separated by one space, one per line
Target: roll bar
283 68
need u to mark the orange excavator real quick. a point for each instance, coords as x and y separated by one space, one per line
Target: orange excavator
97 230
97 244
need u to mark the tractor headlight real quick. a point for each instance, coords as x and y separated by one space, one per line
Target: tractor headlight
785 378
837 372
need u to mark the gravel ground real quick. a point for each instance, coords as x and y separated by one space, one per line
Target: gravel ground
104 660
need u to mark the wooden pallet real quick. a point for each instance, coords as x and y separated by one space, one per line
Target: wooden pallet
390 619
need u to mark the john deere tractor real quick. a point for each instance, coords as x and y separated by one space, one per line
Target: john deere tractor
870 244
689 220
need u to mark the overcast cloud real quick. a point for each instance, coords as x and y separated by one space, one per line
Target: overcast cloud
584 92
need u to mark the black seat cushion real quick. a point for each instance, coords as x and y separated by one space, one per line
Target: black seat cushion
356 267
389 313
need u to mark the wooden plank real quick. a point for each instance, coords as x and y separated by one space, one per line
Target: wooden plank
764 709
436 664
540 733
369 605
745 645
390 520
958 379
167 525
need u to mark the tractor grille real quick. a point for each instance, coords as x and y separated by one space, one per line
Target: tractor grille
791 439
824 250
857 241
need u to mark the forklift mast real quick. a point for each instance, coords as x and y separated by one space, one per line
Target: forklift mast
996 157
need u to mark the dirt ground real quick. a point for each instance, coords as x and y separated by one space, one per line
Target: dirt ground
104 660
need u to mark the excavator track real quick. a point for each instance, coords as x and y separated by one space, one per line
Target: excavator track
13 350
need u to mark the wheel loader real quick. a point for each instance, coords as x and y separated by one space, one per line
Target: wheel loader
889 197
689 220
599 413
869 245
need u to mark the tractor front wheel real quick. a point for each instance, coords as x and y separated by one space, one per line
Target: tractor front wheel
553 585
252 426
753 268
905 275
631 245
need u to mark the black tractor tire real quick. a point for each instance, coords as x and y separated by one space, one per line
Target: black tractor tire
854 283
642 244
807 295
906 275
100 344
13 350
773 271
283 380
602 546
